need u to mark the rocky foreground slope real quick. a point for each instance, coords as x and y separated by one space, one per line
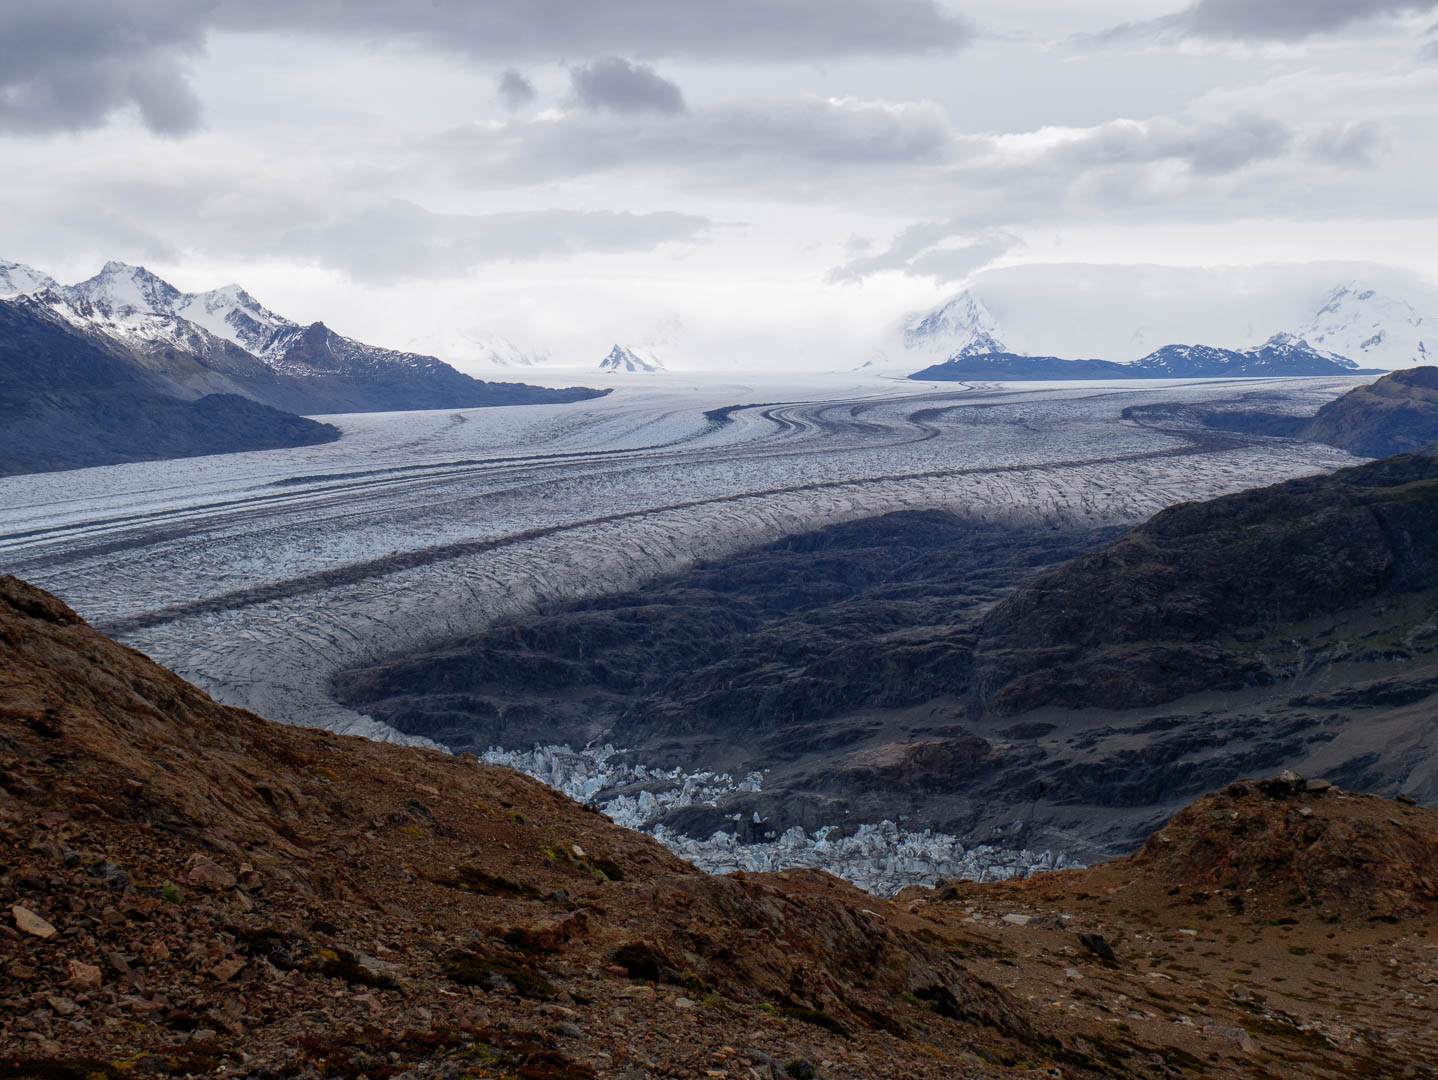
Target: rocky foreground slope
189 890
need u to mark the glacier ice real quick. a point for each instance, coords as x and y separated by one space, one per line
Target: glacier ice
881 857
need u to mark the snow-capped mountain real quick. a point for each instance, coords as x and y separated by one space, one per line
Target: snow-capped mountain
17 279
961 327
1373 327
1377 316
127 299
225 341
1279 356
623 358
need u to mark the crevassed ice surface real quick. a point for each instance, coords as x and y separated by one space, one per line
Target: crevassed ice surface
259 575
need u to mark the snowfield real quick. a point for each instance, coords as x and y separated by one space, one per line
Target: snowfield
259 575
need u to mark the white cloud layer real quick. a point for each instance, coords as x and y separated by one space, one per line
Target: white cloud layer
761 172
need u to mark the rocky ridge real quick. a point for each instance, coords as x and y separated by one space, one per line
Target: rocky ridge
189 890
1201 596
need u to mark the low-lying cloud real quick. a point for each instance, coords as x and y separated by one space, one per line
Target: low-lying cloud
396 240
943 250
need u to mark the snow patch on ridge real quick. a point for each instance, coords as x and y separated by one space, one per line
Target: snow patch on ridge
17 279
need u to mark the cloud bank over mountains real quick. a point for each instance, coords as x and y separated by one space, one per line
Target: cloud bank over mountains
765 163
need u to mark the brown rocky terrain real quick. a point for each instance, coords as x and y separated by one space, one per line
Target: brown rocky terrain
189 890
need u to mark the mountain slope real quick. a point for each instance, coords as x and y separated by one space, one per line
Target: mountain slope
70 400
1281 355
1218 595
1002 365
17 279
1393 415
190 890
278 866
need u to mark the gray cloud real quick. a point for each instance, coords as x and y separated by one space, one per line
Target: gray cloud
1271 20
1353 145
923 250
515 90
614 83
1212 148
768 30
396 240
68 65
744 143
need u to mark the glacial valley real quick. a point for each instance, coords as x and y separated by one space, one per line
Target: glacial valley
263 576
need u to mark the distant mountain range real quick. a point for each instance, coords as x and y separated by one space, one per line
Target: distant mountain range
109 370
225 341
623 358
1280 356
1353 323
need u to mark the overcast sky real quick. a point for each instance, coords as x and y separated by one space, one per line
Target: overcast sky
762 179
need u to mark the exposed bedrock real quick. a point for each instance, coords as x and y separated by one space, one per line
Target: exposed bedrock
1214 595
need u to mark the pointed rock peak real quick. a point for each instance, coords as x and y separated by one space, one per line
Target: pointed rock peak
120 286
960 326
623 358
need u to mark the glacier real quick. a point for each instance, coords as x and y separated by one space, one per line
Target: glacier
259 575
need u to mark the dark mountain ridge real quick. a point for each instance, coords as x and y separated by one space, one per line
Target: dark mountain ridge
1192 599
1395 414
69 400
1280 357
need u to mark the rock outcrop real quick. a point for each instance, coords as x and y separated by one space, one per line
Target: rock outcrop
1199 597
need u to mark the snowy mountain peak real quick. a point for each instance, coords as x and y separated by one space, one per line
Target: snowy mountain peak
1284 344
122 289
961 327
622 358
1373 327
17 279
232 313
